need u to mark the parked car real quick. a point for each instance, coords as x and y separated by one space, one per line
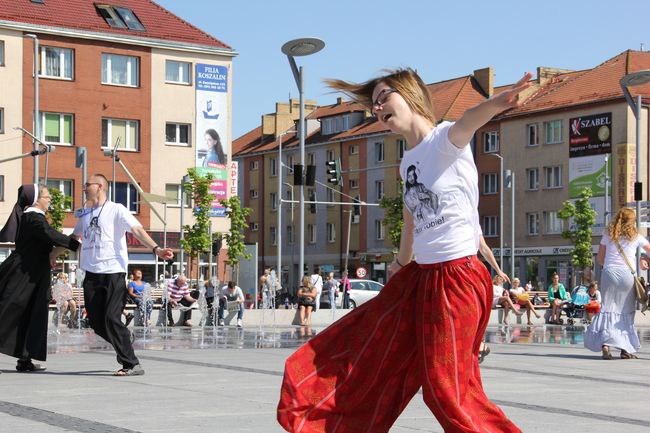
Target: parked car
360 291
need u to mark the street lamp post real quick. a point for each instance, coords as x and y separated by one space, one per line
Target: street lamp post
292 49
501 184
511 180
37 120
635 79
279 166
184 180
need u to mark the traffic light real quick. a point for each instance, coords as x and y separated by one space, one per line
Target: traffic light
310 176
297 174
334 172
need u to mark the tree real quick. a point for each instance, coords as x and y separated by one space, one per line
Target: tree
196 238
58 205
393 218
581 217
235 236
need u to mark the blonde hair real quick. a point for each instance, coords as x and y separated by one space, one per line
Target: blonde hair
62 275
404 80
623 224
306 282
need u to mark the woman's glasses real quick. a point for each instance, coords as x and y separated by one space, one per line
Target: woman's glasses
382 97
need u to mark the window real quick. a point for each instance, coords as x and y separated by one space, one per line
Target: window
553 176
331 233
490 226
354 183
311 157
57 62
326 125
253 165
274 236
379 230
532 224
2 120
177 134
120 70
2 187
491 143
330 155
311 233
290 163
119 17
127 131
126 194
379 188
329 196
290 234
532 134
173 191
274 201
339 124
346 123
553 131
353 150
57 128
253 227
552 223
532 179
2 53
66 188
177 72
490 183
253 193
401 147
379 151
273 166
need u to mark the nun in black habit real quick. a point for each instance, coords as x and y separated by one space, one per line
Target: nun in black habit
25 277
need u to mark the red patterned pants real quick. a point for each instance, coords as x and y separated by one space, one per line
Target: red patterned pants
423 330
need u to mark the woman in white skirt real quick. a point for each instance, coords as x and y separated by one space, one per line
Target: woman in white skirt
614 325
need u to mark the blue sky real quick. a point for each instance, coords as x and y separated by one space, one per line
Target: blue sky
442 40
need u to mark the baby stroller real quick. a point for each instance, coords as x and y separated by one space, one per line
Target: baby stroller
575 309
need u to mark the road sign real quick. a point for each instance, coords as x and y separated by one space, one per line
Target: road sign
362 272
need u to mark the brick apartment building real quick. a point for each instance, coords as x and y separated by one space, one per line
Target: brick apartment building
107 71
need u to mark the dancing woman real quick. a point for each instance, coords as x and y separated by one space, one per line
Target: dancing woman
25 277
425 327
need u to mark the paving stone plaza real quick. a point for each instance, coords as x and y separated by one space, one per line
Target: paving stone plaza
227 380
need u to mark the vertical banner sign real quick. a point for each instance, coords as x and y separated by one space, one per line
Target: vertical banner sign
590 141
212 141
234 178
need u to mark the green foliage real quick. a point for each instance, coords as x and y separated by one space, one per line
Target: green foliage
197 237
393 218
584 217
235 237
58 204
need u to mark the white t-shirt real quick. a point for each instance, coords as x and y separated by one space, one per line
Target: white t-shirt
613 257
497 291
441 192
317 281
236 295
103 248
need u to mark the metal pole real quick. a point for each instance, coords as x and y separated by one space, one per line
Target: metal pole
278 172
164 236
301 239
638 177
210 254
37 118
502 184
605 217
182 255
347 248
512 225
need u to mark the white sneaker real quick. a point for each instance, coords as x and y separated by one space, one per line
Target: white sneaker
221 322
239 323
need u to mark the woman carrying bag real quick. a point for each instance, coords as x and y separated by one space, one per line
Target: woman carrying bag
614 325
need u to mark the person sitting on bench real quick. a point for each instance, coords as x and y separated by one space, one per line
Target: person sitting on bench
232 293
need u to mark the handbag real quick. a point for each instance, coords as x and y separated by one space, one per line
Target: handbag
639 288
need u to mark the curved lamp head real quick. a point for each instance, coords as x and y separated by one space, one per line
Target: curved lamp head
302 47
636 78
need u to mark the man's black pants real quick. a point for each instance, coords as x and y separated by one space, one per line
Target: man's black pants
105 300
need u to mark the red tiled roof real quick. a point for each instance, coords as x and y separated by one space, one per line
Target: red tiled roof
334 109
158 22
591 85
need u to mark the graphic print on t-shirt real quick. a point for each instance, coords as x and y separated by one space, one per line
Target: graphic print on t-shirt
422 202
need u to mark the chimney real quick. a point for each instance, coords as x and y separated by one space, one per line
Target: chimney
545 73
485 79
339 100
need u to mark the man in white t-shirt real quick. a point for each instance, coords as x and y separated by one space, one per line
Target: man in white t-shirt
102 227
229 294
317 282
